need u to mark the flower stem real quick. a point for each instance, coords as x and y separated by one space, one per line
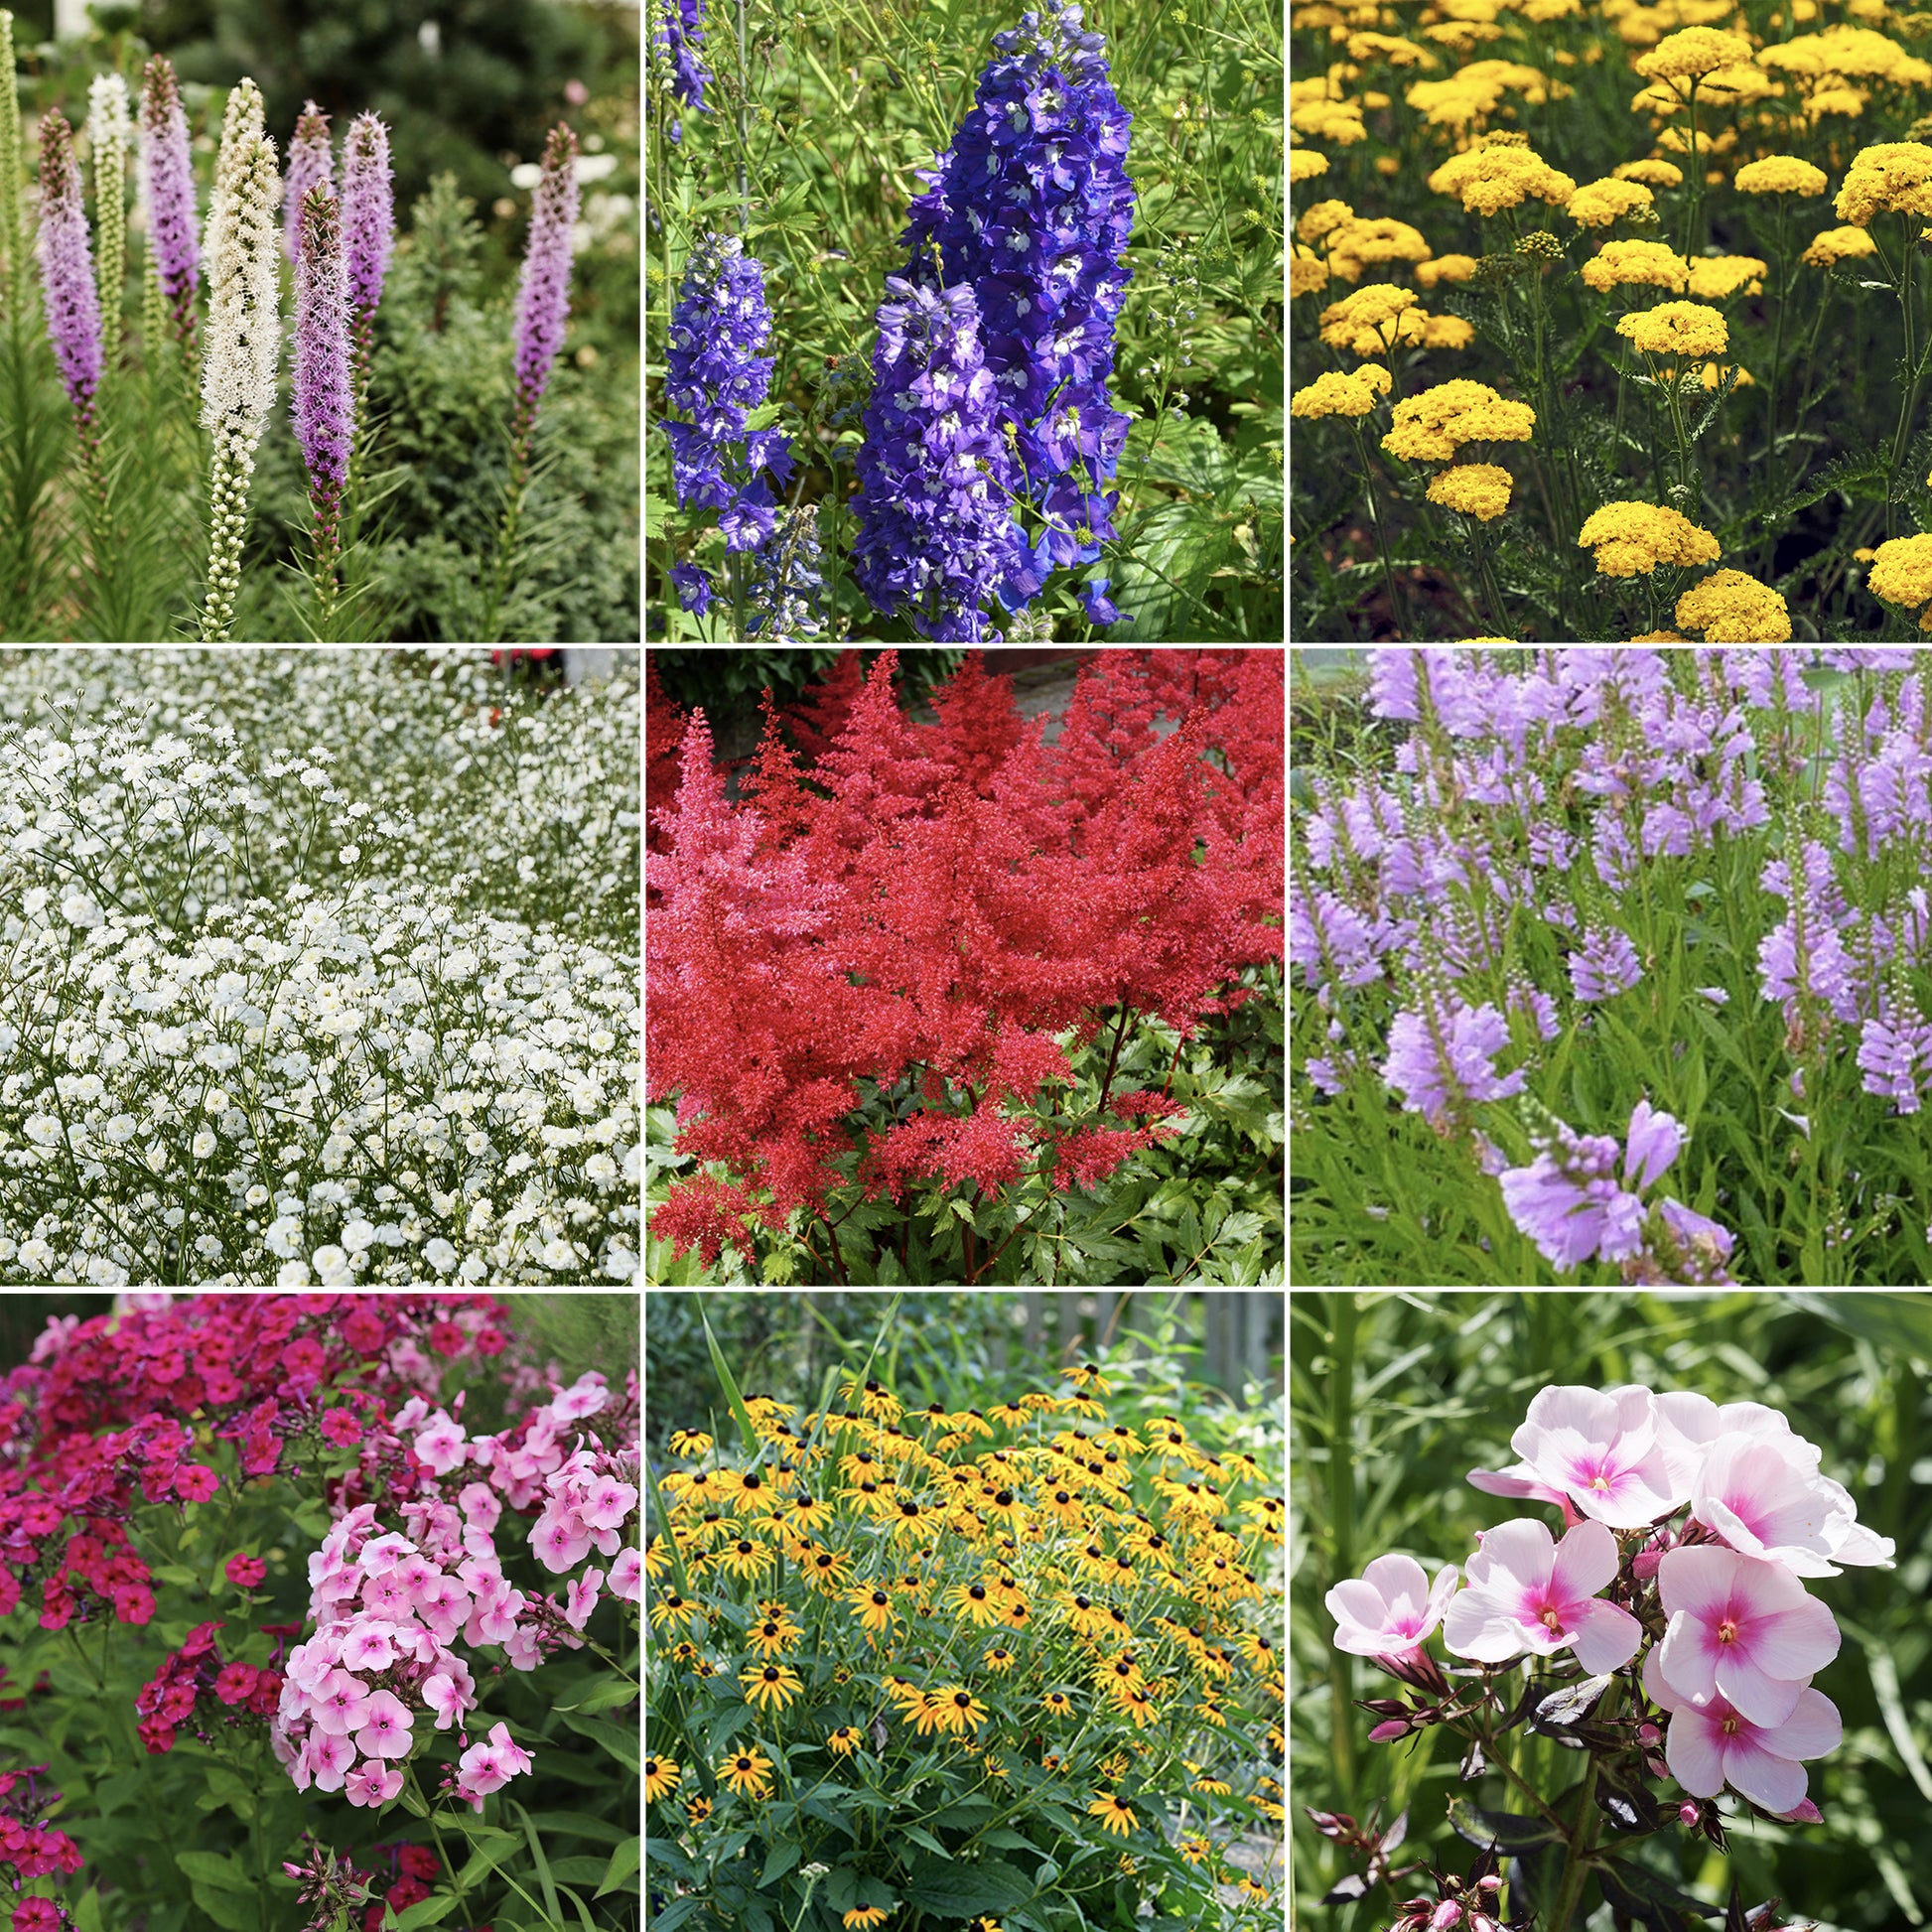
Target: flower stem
1576 1854
1397 613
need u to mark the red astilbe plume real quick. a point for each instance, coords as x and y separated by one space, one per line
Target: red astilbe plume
821 711
978 729
663 734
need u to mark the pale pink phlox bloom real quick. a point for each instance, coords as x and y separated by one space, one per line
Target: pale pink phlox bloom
1741 1629
1712 1743
481 1506
1598 1451
1390 1609
608 1505
340 1705
584 1592
384 1731
1763 1496
370 1646
557 1548
372 1783
627 1575
440 1695
381 1554
444 1445
584 1397
1527 1592
329 1756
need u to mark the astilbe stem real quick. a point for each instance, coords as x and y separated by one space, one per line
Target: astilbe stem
110 133
168 188
324 409
68 277
243 346
542 312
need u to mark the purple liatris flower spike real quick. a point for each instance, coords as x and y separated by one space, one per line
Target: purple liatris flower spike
310 161
543 295
324 418
368 212
1605 965
168 188
936 532
1032 208
67 271
715 374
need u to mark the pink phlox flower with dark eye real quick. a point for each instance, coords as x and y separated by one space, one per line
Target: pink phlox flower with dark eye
196 1483
384 1731
557 1546
627 1575
442 1446
1391 1608
607 1504
372 1783
1764 1496
244 1571
583 1596
1597 1451
381 1554
440 1693
1741 1629
1526 1592
584 1397
235 1682
340 1705
369 1647
328 1755
1712 1743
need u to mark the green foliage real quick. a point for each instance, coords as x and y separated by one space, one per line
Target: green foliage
1395 1398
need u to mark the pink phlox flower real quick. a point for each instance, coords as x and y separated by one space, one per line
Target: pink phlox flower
557 1546
329 1755
1742 1629
382 1554
609 1504
234 1682
1600 1450
1528 1591
490 1765
481 1506
443 1606
1390 1609
523 1648
372 1783
626 1576
584 1397
196 1483
444 1445
370 1647
1712 1743
244 1571
494 1620
384 1731
583 1596
440 1693
1763 1496
340 1705
386 1595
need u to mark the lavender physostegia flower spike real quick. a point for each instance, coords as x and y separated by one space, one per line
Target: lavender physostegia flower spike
168 188
310 161
67 272
243 347
368 213
543 294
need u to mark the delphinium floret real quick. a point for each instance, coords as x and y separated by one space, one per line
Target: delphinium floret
785 593
716 376
677 32
1031 208
936 530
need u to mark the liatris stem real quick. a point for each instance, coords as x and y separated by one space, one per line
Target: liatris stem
12 259
154 315
244 345
324 420
542 309
110 133
168 186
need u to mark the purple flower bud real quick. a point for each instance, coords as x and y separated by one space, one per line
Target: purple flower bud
678 33
543 295
369 211
1446 1914
324 418
310 161
67 269
1387 1732
1688 1814
168 183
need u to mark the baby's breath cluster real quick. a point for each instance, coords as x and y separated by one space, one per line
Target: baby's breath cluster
261 1024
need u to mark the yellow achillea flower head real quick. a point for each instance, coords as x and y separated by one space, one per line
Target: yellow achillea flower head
1340 121
1446 268
1901 572
1662 637
1489 180
1712 277
1653 263
1629 538
1478 490
1322 218
1597 203
1475 91
1303 164
1838 245
1894 175
1733 608
1307 272
1364 321
1694 53
1846 50
1677 329
1432 426
1335 394
1653 172
1358 242
1781 174
1398 53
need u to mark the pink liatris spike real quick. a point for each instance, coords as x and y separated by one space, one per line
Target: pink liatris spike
543 294
67 273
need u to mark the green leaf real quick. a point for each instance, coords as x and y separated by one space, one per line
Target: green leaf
925 1838
621 1743
1507 1830
948 1889
427 1911
217 1868
623 1862
779 1861
604 1697
964 1213
728 1382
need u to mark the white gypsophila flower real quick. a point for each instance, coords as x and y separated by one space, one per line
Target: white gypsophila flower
600 1167
82 909
357 1236
205 1144
557 1254
350 854
43 1129
35 1256
440 1255
283 1237
122 1129
294 1274
331 1266
245 337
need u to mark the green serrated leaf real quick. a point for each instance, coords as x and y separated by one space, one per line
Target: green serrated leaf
964 1213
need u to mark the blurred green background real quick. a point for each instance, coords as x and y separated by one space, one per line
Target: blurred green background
1214 1361
1395 1398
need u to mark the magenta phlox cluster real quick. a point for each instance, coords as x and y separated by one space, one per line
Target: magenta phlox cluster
1690 1529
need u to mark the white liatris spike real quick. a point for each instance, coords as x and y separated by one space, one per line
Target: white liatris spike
243 122
238 374
110 135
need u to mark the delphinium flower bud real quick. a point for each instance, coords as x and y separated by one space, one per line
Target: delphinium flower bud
324 416
244 345
1032 206
716 375
676 34
310 161
10 248
110 133
784 595
67 273
168 188
936 532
